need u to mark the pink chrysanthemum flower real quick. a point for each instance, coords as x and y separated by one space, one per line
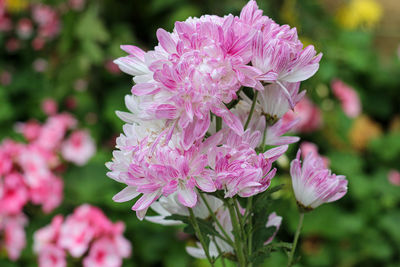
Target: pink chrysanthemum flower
194 70
313 184
152 169
238 168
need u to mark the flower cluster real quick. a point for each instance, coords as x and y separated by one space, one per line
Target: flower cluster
39 23
85 232
208 113
30 172
185 91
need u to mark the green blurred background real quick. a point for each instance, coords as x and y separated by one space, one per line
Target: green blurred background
360 42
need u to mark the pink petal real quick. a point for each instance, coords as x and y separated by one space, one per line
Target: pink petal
187 196
166 41
126 194
145 89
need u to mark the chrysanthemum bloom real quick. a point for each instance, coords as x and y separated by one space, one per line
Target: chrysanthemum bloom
348 97
313 184
238 168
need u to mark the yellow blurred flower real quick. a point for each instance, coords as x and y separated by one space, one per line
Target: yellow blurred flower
15 6
364 130
289 14
395 124
359 13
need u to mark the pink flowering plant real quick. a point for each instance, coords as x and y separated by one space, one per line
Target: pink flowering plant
205 126
87 234
31 172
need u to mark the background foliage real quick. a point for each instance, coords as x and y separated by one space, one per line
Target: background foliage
362 229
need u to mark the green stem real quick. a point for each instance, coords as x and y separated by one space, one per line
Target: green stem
236 230
263 138
250 228
296 238
253 105
218 123
227 238
241 223
200 236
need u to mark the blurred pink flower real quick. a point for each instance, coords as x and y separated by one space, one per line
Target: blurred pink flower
313 184
48 235
78 148
14 193
70 102
14 234
106 252
76 235
86 231
52 256
30 130
49 106
13 45
111 67
80 85
309 115
24 28
77 5
5 78
38 43
348 97
48 193
48 20
40 65
394 177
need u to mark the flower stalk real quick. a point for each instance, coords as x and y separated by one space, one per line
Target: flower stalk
296 238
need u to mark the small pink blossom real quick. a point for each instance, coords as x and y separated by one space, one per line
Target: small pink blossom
12 45
38 43
14 194
5 78
348 97
49 106
49 234
24 28
394 177
48 20
52 256
313 184
49 193
76 5
111 67
78 148
30 130
40 65
14 234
